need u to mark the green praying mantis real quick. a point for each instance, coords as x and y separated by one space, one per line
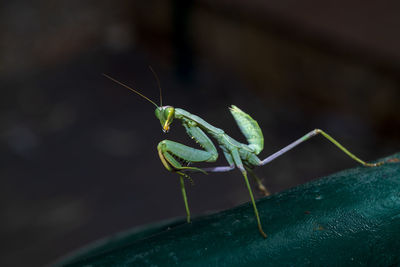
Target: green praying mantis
177 157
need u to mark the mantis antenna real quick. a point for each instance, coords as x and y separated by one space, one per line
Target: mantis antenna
158 83
133 90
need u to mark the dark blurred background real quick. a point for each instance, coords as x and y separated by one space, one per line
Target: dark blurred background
78 152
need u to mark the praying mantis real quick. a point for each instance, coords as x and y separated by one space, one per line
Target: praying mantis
177 157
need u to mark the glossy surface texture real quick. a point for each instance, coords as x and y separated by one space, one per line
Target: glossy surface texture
348 218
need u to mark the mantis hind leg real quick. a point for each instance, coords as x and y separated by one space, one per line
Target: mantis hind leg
312 134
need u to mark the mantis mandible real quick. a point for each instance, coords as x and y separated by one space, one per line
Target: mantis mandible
176 157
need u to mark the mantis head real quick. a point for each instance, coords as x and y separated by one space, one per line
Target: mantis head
165 114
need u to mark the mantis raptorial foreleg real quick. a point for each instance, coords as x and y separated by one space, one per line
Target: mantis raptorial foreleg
170 152
166 150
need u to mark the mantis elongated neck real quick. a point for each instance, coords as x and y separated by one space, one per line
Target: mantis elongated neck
183 114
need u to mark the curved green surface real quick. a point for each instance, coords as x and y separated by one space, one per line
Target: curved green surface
348 218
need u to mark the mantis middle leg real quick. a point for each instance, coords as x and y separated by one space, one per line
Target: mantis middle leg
239 164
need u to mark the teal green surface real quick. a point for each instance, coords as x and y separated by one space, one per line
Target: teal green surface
348 218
